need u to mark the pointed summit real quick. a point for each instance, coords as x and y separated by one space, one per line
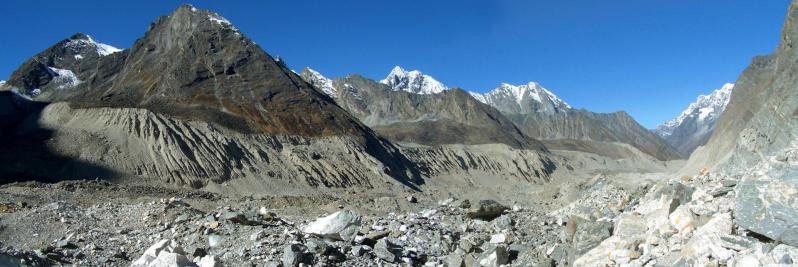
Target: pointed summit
195 64
413 81
694 126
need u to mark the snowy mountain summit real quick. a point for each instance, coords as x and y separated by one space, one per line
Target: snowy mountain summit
523 99
80 41
706 109
695 124
413 81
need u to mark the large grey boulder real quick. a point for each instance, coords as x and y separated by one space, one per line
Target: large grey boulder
768 205
342 225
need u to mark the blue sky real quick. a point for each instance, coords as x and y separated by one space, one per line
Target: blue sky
649 58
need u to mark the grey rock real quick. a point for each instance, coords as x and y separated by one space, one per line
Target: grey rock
342 225
769 206
455 260
498 256
387 250
293 255
589 234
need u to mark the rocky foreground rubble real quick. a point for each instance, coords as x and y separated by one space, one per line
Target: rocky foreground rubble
707 220
712 219
173 233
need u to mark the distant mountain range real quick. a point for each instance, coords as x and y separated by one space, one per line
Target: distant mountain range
537 112
694 126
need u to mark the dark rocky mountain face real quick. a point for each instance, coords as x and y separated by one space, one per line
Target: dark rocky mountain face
194 64
189 73
449 117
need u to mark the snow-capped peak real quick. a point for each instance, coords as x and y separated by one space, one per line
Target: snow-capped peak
85 40
516 98
316 79
706 108
413 81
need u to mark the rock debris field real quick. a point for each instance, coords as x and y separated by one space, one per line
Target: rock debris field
681 221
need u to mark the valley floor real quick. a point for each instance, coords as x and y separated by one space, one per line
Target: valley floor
104 223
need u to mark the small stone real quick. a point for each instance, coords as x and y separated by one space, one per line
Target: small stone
412 199
497 257
499 239
358 251
214 240
257 235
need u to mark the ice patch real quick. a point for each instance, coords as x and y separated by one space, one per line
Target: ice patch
65 78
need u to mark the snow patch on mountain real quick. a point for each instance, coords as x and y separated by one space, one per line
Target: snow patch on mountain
706 109
413 81
316 79
216 18
65 78
101 48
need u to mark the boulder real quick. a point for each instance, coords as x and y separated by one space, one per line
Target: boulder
209 261
589 234
293 255
342 225
500 238
495 257
486 210
387 250
682 219
630 225
706 240
768 205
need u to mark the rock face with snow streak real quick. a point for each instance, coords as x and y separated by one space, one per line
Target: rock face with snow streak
65 65
319 81
695 124
413 82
